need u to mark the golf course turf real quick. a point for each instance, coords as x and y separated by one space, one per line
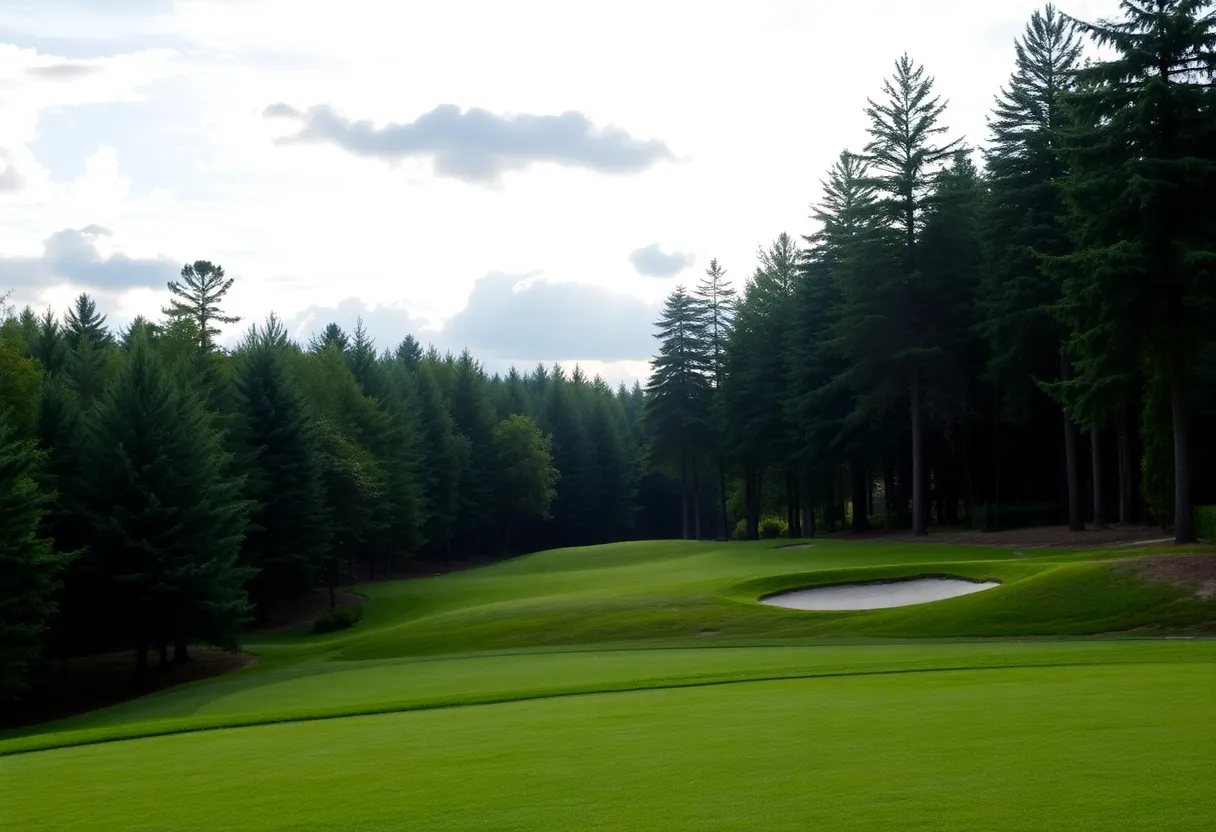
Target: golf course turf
642 686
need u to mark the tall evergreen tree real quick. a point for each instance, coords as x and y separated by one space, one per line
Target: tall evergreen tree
49 344
288 535
1022 223
29 566
819 399
197 297
718 299
678 395
84 323
1141 156
473 417
168 518
905 159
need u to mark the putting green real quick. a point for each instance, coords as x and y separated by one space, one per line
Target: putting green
642 686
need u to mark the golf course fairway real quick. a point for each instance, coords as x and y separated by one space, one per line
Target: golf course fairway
644 686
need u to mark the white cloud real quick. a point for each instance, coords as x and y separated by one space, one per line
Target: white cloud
757 100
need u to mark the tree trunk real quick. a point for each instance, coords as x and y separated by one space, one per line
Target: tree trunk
918 473
888 492
724 525
751 483
829 509
795 498
696 502
181 651
684 507
1075 521
141 663
808 509
1125 466
1184 518
861 521
1095 452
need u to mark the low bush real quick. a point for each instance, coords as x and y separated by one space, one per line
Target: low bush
993 518
1205 523
772 527
342 618
740 532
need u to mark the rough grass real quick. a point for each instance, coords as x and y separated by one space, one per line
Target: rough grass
643 686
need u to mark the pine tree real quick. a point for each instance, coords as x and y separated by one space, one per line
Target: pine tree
288 535
409 352
1141 159
678 396
904 159
757 369
168 518
819 399
718 300
84 323
1022 223
29 566
331 335
574 509
197 297
443 460
614 461
49 344
473 418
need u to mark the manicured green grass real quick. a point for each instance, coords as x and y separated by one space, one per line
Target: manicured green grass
1091 748
643 686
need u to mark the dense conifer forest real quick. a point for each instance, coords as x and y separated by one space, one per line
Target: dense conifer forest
1014 333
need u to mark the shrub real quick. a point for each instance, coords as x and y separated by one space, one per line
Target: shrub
1205 523
772 527
741 530
992 518
341 618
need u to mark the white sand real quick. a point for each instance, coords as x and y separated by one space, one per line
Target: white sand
875 596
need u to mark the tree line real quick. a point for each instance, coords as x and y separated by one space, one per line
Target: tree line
1017 342
1026 342
160 492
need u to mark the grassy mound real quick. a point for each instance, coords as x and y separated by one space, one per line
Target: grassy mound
643 686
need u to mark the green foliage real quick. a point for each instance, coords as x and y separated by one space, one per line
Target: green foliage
84 324
288 535
342 618
1205 522
28 565
20 381
772 527
525 462
1138 289
677 394
168 518
197 297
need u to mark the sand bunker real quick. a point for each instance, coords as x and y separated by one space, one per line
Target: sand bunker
877 595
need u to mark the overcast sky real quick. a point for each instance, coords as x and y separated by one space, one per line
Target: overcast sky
528 179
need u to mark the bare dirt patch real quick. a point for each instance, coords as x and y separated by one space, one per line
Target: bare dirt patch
1191 573
1039 537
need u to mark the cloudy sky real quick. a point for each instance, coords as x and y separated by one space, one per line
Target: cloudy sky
527 179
